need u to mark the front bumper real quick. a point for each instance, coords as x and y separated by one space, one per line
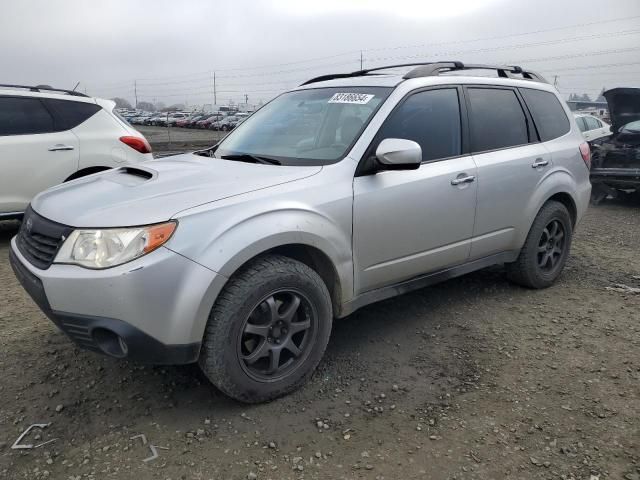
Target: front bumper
152 310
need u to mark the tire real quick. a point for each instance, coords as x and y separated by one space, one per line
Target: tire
527 269
249 318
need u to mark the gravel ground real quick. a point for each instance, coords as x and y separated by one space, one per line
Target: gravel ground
470 379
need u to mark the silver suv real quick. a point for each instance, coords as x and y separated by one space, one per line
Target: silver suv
348 190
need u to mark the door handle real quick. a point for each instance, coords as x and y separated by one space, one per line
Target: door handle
60 147
461 180
539 163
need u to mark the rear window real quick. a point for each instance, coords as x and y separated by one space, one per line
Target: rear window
496 119
547 112
70 114
23 116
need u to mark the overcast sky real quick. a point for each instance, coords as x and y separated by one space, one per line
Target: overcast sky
258 48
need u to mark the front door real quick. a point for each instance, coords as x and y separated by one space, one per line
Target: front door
411 222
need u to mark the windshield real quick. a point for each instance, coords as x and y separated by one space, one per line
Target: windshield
306 127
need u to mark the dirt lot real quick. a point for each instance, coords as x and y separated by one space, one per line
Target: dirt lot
470 379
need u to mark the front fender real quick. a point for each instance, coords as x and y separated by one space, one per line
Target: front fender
227 237
240 243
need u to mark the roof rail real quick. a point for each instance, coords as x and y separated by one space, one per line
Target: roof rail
48 89
428 69
504 71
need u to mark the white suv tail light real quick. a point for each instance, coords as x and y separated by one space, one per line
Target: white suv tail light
139 144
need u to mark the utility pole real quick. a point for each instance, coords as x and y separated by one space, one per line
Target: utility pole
361 61
555 81
135 91
215 98
246 98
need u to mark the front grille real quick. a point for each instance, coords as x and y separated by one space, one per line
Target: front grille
40 239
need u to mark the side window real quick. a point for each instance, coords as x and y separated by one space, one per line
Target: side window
70 114
547 112
582 125
430 118
592 123
496 119
24 115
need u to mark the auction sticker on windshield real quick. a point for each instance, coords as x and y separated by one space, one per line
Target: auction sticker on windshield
357 98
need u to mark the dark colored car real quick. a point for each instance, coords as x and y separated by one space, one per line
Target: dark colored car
616 161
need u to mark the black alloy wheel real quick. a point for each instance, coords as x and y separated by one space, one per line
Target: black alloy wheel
551 246
275 338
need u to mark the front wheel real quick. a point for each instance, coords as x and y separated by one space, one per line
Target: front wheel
546 249
267 331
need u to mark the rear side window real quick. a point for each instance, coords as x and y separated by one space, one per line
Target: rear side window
582 125
431 119
547 112
70 114
496 119
23 116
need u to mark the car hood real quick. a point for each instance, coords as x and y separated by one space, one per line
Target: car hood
624 106
157 190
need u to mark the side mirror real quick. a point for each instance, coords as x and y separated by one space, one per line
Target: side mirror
399 154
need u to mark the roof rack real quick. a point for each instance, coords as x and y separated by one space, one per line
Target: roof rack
48 89
429 69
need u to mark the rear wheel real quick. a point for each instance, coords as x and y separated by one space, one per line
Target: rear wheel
267 331
546 249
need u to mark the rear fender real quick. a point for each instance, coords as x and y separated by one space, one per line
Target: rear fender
557 181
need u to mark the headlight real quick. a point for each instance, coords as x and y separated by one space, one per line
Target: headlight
104 248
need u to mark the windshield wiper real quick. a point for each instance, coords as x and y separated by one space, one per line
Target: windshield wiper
247 157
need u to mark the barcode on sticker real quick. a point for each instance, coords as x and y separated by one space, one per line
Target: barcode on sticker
357 98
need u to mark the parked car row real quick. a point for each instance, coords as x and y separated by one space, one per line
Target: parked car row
223 121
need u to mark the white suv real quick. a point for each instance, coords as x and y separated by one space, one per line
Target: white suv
50 136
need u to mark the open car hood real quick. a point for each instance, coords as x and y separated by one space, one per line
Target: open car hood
624 106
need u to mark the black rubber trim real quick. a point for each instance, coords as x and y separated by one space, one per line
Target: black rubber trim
423 281
141 347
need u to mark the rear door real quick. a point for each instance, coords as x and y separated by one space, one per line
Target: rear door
35 152
510 160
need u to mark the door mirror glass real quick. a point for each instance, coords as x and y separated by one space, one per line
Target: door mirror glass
399 154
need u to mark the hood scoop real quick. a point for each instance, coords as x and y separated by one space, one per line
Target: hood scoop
136 172
130 176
